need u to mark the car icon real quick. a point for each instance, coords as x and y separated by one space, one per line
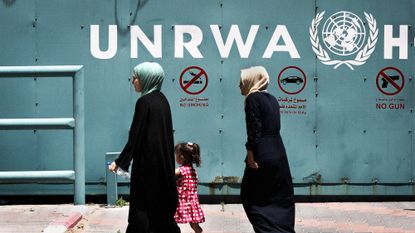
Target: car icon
292 79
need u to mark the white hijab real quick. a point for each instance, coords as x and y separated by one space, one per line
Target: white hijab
254 79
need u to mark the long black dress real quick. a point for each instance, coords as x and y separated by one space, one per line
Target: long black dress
153 193
267 193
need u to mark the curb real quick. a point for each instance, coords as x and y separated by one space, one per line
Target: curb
63 223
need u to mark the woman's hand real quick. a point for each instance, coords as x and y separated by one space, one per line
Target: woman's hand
113 167
250 160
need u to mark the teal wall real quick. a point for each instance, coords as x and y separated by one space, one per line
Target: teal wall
338 137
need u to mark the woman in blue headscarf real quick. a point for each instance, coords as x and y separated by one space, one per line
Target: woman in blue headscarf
153 193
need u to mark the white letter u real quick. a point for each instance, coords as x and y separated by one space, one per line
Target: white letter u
112 42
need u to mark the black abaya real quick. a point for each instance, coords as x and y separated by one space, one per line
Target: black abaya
153 193
267 192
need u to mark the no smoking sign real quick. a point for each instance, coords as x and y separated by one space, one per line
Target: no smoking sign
193 80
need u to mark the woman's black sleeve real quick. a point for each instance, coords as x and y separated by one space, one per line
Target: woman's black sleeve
253 122
134 137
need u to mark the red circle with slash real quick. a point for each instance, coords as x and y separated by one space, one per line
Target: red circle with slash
198 75
389 80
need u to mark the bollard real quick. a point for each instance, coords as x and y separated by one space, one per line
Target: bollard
112 193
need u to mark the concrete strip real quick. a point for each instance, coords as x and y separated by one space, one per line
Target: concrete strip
55 229
64 223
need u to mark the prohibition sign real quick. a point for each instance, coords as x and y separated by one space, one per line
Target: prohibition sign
296 71
198 74
390 79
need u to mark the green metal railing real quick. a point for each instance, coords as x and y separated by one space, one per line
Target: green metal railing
77 124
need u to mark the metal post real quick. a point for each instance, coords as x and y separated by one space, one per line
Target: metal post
112 191
44 71
37 123
79 137
38 176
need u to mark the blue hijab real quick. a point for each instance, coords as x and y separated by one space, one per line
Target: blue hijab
151 76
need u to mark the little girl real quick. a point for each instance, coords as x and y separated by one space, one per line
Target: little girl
188 209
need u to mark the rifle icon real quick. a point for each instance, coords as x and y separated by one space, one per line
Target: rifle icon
386 82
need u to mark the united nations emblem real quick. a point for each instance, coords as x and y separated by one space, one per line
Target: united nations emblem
344 34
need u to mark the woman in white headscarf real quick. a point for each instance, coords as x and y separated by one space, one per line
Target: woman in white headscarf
267 192
153 193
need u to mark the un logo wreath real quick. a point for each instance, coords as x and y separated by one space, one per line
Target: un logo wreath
361 57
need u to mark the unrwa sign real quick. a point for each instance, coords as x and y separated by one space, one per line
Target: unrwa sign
196 35
342 39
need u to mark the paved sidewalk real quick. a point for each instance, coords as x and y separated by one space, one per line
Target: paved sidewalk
376 217
39 218
334 217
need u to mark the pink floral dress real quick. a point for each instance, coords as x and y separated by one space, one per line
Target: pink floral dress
188 209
